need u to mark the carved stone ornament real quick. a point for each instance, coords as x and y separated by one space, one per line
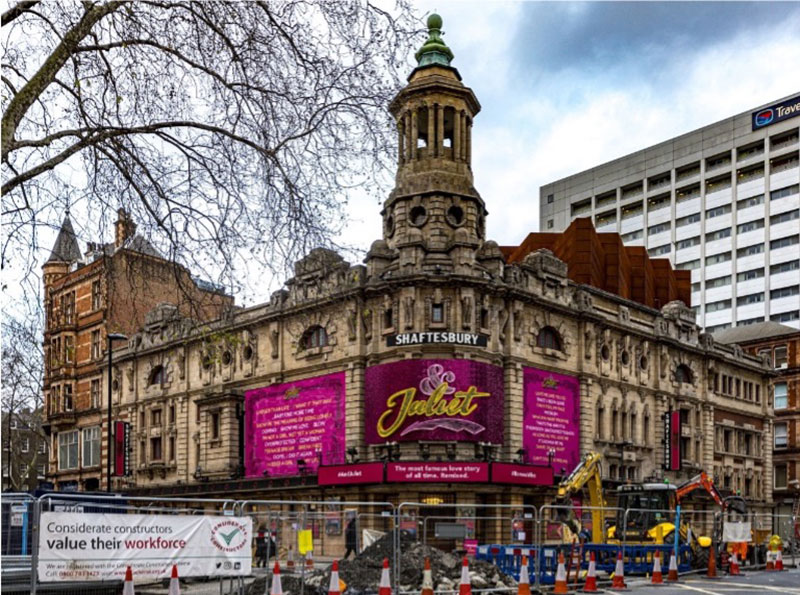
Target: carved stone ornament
466 311
624 314
582 301
274 340
588 341
352 323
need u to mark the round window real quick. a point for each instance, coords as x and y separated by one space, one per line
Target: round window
455 216
643 362
418 216
604 352
389 226
206 362
625 358
247 353
115 385
227 358
480 226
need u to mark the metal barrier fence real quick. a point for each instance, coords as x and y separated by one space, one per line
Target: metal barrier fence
501 534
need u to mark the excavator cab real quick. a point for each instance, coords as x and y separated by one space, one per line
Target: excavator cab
647 505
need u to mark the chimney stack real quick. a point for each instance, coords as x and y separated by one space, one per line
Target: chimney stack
124 228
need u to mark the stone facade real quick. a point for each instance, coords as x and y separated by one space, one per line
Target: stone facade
183 384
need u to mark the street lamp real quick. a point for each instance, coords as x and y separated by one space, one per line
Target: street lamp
109 339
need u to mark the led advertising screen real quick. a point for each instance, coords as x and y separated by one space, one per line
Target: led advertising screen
292 422
551 419
433 399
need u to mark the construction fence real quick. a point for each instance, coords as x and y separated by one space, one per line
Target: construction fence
80 544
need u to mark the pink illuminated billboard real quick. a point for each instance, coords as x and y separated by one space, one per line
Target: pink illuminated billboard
551 419
293 422
433 399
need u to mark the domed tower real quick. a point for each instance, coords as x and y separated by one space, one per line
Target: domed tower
434 214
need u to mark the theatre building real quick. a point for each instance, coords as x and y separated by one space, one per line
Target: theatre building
446 368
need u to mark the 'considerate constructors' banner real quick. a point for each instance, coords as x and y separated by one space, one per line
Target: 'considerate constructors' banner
98 547
433 399
551 419
287 423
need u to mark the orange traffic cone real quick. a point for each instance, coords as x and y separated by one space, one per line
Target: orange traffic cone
591 577
712 564
309 560
618 582
385 588
290 561
127 588
672 574
465 586
561 576
334 588
524 585
174 583
733 569
277 588
658 578
779 560
427 579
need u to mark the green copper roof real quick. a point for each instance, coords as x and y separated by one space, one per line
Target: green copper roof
434 50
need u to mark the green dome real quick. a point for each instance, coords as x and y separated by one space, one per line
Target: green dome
434 50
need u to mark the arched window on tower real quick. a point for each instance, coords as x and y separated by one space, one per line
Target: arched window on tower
449 128
422 128
315 336
683 375
548 337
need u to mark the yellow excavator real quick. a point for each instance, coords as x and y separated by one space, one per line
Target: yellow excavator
587 473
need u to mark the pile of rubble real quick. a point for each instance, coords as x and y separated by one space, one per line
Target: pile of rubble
362 574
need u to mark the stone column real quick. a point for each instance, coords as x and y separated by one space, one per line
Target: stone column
456 152
400 142
409 140
709 437
766 454
588 411
414 132
431 131
439 131
468 156
464 140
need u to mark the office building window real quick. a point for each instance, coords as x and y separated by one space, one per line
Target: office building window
718 235
659 202
718 258
550 199
784 267
68 404
42 448
155 449
549 224
91 446
749 226
784 217
748 321
688 243
689 265
781 401
784 242
688 220
155 417
717 306
781 476
696 286
661 227
781 436
68 450
215 426
717 161
659 250
750 150
784 192
687 193
785 316
719 282
750 250
753 298
753 201
783 292
24 444
750 275
718 211
69 349
781 357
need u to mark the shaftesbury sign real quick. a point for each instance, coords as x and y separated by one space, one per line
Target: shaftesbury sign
447 337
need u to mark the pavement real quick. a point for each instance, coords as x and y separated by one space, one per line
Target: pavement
787 582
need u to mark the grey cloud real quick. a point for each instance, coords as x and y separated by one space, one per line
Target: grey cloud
632 37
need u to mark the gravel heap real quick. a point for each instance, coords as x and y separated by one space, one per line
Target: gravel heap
362 574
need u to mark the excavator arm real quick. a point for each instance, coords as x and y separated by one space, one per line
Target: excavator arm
700 481
587 473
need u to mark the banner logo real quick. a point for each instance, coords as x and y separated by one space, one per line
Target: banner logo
764 117
229 536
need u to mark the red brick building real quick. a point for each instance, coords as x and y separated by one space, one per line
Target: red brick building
601 260
780 345
108 289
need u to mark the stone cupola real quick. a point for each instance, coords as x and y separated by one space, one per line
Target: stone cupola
434 211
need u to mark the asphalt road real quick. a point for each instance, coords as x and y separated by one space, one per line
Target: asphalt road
787 582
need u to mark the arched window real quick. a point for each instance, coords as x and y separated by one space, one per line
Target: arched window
683 375
314 337
156 376
549 337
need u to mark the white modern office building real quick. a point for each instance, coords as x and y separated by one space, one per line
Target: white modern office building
722 201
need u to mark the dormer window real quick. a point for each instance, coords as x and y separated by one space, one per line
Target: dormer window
683 375
549 338
316 336
156 377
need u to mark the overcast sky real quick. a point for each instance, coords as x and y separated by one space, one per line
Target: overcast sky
567 86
